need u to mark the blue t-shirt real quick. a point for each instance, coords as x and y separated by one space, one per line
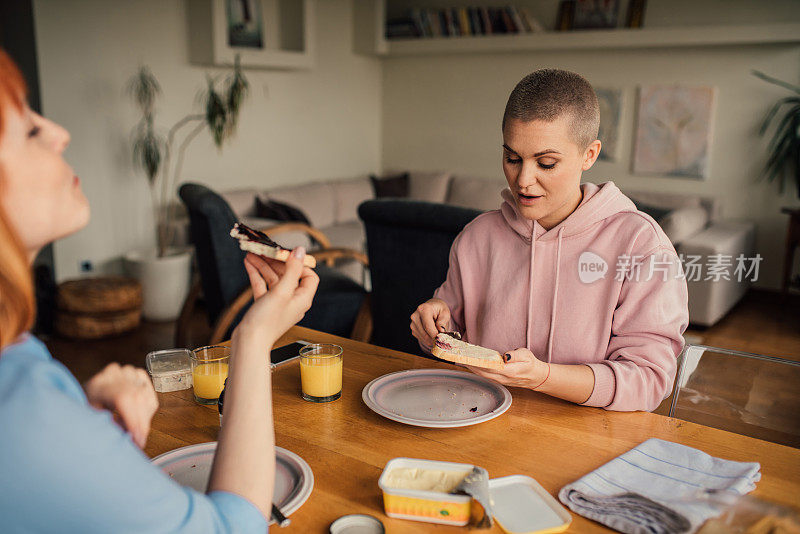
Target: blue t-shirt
67 467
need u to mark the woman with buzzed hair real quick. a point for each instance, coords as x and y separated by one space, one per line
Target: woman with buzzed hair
583 294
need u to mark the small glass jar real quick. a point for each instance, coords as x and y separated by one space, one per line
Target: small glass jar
170 369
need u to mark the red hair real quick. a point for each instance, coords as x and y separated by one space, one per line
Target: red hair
17 308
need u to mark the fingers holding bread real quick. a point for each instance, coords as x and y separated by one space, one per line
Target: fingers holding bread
260 244
419 332
455 350
430 318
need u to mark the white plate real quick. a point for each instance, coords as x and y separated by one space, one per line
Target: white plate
191 466
436 398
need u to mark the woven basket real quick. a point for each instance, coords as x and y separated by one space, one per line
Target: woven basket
86 326
100 295
93 308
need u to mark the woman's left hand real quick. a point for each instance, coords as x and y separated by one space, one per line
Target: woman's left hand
127 393
522 369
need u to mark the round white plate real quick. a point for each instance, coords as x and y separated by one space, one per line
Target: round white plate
436 398
191 466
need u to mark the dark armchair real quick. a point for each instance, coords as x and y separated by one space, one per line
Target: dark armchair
408 244
340 305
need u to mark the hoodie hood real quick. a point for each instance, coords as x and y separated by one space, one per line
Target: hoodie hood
599 202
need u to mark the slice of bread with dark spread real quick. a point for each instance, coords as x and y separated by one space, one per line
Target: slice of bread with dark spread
454 350
260 244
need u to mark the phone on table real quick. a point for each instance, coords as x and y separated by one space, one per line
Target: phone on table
287 353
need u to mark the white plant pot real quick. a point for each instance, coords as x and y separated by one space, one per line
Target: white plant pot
165 282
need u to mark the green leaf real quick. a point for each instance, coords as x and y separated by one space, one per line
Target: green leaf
238 89
774 110
148 150
216 114
784 128
144 88
776 81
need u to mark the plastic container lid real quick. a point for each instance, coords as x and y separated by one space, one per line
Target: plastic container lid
522 506
357 524
168 361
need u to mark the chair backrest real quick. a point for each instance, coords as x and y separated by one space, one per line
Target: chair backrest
219 258
746 393
408 244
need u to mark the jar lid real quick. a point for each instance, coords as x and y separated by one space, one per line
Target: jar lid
357 524
169 361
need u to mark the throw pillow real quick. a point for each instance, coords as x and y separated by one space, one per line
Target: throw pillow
277 211
391 186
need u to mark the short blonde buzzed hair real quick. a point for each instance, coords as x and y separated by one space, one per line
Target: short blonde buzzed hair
546 94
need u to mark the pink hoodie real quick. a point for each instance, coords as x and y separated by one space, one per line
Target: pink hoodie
513 284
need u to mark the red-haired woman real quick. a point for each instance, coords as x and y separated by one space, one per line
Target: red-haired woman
65 465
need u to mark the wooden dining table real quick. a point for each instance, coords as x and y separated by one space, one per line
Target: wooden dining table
347 445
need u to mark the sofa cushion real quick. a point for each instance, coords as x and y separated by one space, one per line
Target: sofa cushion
390 186
346 235
241 201
349 194
429 186
476 193
315 199
683 223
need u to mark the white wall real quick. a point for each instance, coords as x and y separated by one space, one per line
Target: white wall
297 126
444 112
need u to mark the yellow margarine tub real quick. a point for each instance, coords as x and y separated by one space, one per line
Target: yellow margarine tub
419 490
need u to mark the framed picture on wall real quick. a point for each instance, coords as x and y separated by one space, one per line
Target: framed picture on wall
673 131
266 34
595 14
244 22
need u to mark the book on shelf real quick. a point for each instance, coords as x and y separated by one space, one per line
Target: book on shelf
532 23
486 21
463 20
511 24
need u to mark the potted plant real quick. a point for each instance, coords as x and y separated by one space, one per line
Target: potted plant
783 163
165 271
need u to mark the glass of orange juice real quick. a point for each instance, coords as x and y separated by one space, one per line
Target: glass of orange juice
209 371
321 372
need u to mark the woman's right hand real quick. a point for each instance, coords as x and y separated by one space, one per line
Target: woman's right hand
283 293
429 319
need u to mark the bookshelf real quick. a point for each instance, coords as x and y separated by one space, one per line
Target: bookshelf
697 36
370 17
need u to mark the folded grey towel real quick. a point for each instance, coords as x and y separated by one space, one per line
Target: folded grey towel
658 487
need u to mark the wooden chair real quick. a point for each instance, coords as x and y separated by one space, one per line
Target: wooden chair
210 218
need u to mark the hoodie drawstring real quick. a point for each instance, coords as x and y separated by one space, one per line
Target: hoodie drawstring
555 298
530 288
